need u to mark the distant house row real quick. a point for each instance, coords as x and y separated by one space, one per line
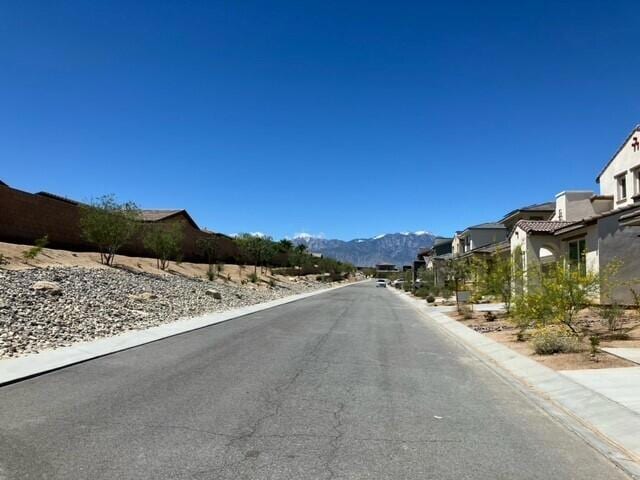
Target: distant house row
26 217
585 228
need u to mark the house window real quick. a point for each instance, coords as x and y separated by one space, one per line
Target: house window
577 255
636 181
622 187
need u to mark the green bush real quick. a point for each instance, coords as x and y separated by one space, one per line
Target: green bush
554 339
33 252
466 312
423 292
431 299
165 242
611 316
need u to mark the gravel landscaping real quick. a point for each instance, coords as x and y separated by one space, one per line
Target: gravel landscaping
54 307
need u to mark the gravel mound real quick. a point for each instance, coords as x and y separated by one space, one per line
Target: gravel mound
54 307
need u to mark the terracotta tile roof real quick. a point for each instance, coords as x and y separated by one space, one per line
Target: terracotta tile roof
541 226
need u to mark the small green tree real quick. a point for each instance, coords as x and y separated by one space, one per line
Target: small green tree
285 246
299 255
254 248
458 272
493 276
558 292
109 225
209 247
165 242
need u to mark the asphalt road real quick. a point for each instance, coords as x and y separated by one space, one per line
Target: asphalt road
350 384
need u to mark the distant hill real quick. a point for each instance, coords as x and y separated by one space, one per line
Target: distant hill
397 248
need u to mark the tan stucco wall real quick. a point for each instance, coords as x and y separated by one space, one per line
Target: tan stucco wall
623 162
574 205
456 246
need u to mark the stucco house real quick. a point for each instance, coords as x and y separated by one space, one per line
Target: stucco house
476 236
435 258
590 230
537 211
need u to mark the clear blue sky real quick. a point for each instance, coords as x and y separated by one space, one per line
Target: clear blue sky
349 118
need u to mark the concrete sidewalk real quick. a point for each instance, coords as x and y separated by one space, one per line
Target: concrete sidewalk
581 405
621 385
20 368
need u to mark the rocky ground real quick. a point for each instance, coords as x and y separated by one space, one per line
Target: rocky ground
45 308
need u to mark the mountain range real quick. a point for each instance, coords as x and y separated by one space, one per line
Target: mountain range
397 248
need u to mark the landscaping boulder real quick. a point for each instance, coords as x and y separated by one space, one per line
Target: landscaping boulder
45 286
143 297
213 293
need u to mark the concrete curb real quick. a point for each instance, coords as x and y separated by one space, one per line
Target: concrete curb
598 415
16 369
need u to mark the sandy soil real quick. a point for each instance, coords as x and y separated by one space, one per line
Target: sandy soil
63 258
502 331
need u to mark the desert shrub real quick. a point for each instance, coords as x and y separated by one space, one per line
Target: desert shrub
475 297
423 292
635 293
34 251
552 339
446 292
611 316
253 277
211 274
466 311
490 316
431 299
3 259
272 283
531 308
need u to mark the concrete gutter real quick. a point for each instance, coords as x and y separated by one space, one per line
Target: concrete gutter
15 369
606 425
